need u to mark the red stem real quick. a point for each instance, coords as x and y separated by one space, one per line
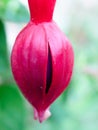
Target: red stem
41 10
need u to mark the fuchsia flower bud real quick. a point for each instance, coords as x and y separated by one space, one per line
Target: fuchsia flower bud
42 59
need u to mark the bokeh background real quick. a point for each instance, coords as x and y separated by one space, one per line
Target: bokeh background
77 107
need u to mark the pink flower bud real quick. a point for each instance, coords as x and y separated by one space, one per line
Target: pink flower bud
42 62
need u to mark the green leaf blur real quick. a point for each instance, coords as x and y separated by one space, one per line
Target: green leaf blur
77 107
13 10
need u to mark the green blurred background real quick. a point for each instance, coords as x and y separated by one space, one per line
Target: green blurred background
77 107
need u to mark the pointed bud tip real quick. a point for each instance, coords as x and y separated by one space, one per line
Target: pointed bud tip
42 115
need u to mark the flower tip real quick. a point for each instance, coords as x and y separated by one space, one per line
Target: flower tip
42 116
35 114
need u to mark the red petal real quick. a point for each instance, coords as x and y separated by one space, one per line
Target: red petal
62 62
29 63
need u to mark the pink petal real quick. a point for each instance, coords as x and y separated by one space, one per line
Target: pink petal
42 116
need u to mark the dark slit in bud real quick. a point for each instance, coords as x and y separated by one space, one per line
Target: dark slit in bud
49 71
